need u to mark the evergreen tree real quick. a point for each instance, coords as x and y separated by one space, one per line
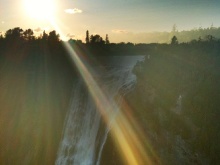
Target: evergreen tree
106 39
174 40
1 37
87 36
28 35
174 29
53 37
45 36
15 34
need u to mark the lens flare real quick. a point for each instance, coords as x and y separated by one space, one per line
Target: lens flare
126 132
39 9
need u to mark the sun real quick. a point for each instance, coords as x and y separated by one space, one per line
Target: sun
40 9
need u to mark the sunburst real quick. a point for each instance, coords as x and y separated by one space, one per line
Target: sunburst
40 9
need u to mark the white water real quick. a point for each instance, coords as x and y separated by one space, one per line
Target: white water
85 133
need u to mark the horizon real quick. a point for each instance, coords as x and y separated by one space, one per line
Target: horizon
123 21
152 37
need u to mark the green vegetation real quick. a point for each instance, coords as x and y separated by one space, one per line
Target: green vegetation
36 80
188 71
176 97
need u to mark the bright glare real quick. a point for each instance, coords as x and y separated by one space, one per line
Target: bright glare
40 9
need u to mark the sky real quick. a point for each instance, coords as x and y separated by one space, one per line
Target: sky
122 20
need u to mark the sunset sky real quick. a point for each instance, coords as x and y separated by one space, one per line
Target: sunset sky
122 20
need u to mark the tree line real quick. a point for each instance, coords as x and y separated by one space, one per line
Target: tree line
18 34
96 39
94 43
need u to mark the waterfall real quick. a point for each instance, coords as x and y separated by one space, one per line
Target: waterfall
85 133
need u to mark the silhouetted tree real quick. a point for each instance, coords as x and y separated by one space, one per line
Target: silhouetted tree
121 43
1 37
92 39
130 44
174 40
107 39
79 41
87 36
28 35
44 36
96 39
210 38
53 37
174 29
73 41
14 34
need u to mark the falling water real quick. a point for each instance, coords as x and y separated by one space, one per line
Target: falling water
85 133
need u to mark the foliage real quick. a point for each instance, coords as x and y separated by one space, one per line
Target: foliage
174 40
42 65
192 72
107 39
96 39
53 36
28 35
87 37
14 34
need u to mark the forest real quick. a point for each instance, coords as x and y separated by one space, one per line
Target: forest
176 100
176 97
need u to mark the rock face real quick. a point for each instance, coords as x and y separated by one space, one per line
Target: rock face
176 103
94 110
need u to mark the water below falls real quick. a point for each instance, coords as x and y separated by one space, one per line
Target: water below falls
85 133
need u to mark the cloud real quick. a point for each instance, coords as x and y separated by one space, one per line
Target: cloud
70 35
119 31
73 11
3 22
38 30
